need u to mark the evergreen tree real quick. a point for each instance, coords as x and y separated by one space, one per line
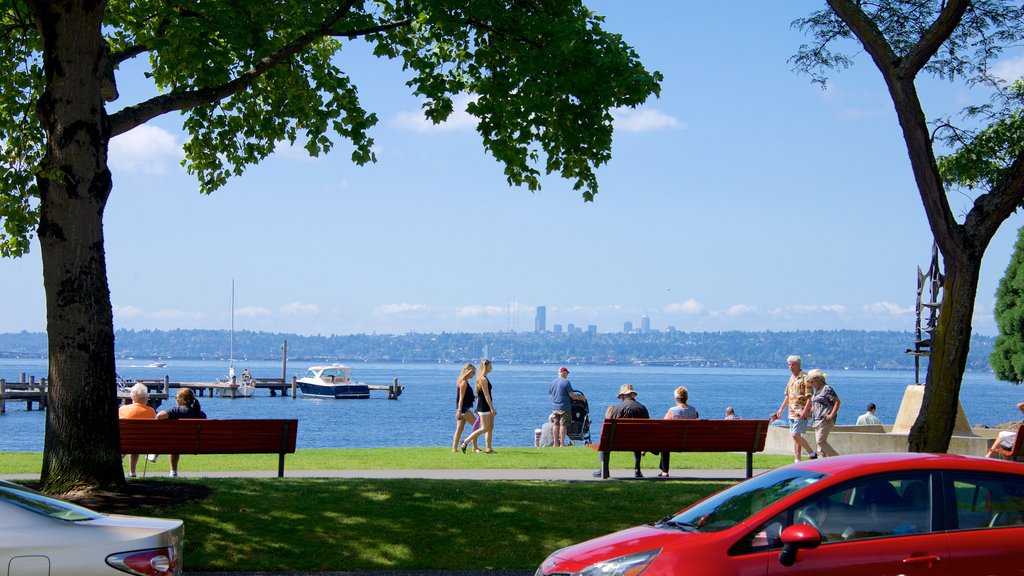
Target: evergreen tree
1007 358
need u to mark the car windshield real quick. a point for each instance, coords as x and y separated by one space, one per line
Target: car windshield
42 504
734 505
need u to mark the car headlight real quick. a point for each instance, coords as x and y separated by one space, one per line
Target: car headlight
630 565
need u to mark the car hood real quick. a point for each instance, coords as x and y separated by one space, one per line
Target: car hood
622 543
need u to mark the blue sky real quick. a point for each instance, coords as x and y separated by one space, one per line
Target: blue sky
745 198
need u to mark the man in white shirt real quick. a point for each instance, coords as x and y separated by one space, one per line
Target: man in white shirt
868 418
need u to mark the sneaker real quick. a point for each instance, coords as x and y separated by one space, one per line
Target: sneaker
812 456
598 474
132 475
172 474
152 457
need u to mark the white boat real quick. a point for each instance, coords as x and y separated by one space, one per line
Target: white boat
332 382
234 388
156 364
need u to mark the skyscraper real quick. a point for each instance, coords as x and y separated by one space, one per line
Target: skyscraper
645 325
540 323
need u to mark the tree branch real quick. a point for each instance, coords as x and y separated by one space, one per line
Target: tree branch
132 116
940 30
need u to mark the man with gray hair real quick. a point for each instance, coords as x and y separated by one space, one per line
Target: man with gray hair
137 409
798 396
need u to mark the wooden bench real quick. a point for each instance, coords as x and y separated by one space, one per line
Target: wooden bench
642 435
188 436
1016 452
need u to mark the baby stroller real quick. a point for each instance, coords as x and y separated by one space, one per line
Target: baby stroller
579 427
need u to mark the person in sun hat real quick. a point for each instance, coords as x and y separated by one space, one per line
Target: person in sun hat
629 408
562 394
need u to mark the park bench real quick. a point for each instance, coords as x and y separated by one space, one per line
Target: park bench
214 436
643 435
1016 452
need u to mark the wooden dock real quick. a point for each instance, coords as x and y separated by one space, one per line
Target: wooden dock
28 391
230 389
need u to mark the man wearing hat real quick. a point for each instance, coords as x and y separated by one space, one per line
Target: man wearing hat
562 394
629 408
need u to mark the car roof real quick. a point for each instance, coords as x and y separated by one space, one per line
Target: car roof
862 464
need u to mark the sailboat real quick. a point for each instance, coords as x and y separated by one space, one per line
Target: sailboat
245 388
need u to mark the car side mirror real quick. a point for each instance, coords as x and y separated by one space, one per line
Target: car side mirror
797 537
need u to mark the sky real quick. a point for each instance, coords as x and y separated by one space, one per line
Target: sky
744 198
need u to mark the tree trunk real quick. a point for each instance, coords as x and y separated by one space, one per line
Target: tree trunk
933 428
81 446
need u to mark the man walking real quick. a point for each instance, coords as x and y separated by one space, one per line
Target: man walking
562 395
798 396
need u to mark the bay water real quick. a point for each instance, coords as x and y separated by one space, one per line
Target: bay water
425 413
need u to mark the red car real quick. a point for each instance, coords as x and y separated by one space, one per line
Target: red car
858 515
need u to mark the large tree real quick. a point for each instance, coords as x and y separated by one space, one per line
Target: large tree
956 40
246 75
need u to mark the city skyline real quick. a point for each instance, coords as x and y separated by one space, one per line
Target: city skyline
744 198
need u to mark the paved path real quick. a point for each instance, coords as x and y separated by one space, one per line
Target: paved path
560 475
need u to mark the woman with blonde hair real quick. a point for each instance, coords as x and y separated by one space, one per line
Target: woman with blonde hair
464 406
681 411
825 404
484 408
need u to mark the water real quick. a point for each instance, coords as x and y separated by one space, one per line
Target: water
425 414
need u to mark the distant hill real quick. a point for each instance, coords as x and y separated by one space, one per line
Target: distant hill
830 349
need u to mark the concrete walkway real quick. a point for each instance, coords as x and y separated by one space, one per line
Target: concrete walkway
558 475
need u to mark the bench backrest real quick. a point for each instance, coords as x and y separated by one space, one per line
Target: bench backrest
683 435
214 436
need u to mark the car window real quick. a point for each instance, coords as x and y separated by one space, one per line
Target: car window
734 505
987 501
42 504
874 507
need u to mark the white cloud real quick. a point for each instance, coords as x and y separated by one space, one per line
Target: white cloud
252 312
817 309
690 306
127 311
477 310
741 310
459 119
1011 69
645 120
888 308
400 308
145 150
298 308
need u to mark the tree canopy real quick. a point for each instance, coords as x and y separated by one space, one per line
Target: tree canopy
542 75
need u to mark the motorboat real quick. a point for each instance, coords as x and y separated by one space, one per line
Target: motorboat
332 382
156 364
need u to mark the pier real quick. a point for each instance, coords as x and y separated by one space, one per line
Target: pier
230 389
27 391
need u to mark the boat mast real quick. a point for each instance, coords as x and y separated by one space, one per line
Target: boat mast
231 368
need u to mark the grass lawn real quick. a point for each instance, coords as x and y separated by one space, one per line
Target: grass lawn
310 524
345 524
421 458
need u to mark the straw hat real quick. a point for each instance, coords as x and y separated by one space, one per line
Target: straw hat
627 390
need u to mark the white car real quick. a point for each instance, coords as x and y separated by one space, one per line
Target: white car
40 535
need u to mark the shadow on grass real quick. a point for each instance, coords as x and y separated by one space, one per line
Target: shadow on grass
350 524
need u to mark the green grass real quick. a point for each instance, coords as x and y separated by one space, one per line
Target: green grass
422 458
338 524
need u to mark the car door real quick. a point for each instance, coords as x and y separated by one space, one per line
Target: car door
879 525
986 523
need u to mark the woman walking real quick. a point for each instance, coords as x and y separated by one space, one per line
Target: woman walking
464 406
681 411
825 403
484 409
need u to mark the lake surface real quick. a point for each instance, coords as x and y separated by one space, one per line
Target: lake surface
425 414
